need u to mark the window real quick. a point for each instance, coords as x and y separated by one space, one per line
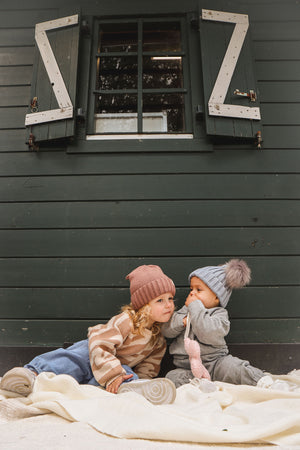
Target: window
164 78
140 78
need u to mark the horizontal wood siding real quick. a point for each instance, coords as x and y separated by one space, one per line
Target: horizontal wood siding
41 332
72 225
104 214
135 242
26 302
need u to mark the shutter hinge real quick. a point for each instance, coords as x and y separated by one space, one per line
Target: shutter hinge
258 140
199 111
80 115
251 94
34 107
85 28
32 145
194 21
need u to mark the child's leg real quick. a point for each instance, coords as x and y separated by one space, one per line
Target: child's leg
235 370
73 361
180 376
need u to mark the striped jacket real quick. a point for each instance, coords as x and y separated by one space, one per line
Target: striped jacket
114 344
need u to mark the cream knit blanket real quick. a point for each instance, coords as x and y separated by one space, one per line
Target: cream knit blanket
232 414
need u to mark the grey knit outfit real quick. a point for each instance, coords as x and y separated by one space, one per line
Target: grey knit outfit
209 327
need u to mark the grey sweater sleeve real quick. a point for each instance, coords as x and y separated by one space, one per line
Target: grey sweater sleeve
175 326
209 325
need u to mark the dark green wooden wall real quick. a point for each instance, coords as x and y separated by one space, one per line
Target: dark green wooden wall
72 225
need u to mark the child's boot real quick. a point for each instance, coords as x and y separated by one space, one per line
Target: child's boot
19 380
158 391
267 382
204 385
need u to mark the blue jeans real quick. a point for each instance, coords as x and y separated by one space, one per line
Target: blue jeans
73 361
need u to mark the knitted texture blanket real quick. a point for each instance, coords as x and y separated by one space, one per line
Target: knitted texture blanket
231 414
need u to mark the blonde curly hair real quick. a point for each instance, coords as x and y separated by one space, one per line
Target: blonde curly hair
140 321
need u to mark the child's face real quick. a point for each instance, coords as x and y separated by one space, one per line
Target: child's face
162 308
200 291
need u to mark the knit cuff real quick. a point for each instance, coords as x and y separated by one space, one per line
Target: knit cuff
177 324
196 306
114 378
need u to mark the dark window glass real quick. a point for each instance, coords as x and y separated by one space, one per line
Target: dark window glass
119 37
160 36
173 107
116 113
162 72
116 103
117 72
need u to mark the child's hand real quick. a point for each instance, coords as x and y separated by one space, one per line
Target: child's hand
114 386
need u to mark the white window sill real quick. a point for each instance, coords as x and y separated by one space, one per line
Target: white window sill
112 137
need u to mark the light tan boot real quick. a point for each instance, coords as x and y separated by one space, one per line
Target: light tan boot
19 380
158 391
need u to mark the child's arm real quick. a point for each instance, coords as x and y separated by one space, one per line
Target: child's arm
176 324
150 366
209 325
114 385
104 340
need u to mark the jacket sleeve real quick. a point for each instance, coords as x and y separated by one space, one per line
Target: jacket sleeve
150 366
104 340
175 326
209 325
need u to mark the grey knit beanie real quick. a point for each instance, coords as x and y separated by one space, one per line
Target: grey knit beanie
147 283
222 279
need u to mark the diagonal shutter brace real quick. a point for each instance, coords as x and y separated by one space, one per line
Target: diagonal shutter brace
216 104
59 88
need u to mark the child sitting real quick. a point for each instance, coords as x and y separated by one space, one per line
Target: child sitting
128 347
208 322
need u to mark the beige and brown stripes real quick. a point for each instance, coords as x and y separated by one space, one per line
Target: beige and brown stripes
114 344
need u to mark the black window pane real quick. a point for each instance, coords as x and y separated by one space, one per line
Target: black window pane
116 72
112 103
162 72
161 36
171 105
118 37
116 113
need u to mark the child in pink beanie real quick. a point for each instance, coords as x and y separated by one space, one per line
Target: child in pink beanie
123 354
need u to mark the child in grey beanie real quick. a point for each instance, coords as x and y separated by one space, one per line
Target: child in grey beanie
208 324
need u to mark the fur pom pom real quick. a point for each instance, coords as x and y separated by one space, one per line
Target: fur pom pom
237 274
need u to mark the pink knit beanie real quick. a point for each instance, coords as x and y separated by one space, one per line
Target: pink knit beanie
147 283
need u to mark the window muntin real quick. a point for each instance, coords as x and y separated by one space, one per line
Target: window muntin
141 77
